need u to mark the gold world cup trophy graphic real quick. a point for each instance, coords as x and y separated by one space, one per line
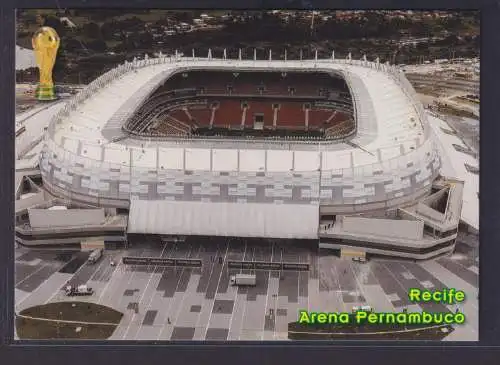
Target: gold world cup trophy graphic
45 45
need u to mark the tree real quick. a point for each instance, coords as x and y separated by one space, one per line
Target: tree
97 45
108 30
145 40
92 31
55 23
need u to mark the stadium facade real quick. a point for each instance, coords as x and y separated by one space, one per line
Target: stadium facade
372 185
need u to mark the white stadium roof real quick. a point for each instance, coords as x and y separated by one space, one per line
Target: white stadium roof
454 166
381 105
298 221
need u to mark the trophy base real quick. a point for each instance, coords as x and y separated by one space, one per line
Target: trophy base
45 93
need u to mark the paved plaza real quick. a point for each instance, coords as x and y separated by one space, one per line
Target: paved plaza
199 303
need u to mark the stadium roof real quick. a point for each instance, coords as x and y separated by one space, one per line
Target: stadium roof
386 121
294 221
454 166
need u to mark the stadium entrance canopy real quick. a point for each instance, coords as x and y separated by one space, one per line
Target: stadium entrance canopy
292 221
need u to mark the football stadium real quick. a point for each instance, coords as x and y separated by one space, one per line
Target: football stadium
332 153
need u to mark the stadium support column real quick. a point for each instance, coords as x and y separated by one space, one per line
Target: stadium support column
320 169
131 156
211 159
333 55
275 118
157 158
270 55
306 117
184 159
239 54
255 54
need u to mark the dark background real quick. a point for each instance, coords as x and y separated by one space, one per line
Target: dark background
275 353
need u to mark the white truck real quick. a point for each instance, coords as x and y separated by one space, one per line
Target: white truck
359 259
363 308
72 291
95 256
243 279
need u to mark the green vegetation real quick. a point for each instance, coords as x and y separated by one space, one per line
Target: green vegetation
103 38
37 328
353 331
29 329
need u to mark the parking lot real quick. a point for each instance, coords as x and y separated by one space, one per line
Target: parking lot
198 303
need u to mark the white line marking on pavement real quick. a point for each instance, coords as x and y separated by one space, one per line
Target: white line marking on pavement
267 295
154 293
142 295
120 264
216 289
358 284
58 291
37 288
208 283
33 273
340 291
246 300
235 297
172 301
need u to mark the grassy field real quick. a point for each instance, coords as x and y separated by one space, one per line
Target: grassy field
301 331
34 328
74 311
30 329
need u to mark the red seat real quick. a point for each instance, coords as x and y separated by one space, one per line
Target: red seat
229 113
180 115
201 116
291 114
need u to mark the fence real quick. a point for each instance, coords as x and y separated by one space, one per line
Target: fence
156 261
262 265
